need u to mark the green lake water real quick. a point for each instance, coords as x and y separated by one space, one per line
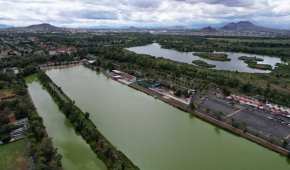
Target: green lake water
76 154
154 135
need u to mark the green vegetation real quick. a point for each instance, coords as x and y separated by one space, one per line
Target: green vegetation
40 147
272 88
282 71
213 56
246 58
44 154
203 64
13 156
108 50
274 41
42 150
263 46
112 158
254 64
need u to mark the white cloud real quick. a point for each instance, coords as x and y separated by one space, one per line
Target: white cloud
281 7
142 12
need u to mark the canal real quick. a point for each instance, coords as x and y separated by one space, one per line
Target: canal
156 136
76 154
235 64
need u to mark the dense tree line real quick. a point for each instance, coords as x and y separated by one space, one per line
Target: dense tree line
109 49
109 52
41 149
45 156
204 44
112 158
186 72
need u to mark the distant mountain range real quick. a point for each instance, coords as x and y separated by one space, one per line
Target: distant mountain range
242 28
2 26
246 28
209 29
35 28
43 27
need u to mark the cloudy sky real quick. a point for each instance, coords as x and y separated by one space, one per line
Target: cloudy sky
145 13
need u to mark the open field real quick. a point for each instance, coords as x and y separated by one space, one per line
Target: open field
12 156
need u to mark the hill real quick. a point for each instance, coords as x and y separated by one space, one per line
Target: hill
244 28
39 28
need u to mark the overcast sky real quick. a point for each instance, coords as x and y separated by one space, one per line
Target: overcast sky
146 13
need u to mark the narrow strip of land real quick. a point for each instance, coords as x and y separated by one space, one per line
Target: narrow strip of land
110 155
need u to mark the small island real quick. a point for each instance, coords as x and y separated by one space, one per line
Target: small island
246 58
213 56
254 64
204 64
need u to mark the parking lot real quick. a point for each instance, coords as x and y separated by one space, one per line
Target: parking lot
263 122
218 105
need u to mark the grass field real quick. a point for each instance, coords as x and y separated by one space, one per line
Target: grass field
12 156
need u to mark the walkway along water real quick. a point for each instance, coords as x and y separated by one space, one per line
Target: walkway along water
76 154
155 135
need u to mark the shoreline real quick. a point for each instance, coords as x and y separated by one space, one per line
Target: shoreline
100 145
225 126
213 121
